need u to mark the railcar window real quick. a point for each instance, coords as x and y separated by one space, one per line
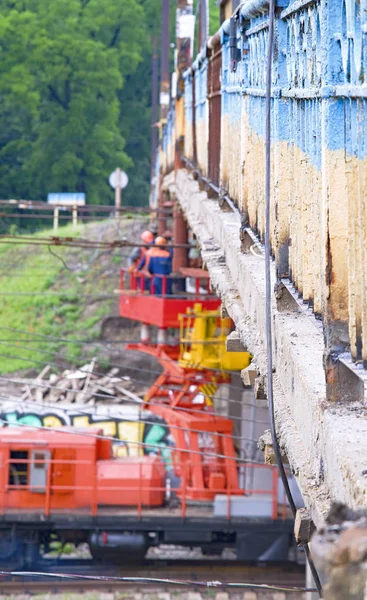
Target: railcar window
18 472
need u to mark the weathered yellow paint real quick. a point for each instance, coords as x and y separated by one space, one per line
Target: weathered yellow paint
179 118
202 145
230 157
130 432
356 174
312 216
335 203
188 143
320 214
227 9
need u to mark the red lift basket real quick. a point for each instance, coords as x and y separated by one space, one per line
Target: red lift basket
139 302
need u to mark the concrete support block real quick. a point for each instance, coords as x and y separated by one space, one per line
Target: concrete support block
285 301
265 444
224 204
249 375
259 388
202 185
250 596
234 344
303 526
194 596
223 312
222 596
164 596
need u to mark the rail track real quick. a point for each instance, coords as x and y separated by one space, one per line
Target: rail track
194 572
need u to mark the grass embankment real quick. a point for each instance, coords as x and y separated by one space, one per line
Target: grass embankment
51 297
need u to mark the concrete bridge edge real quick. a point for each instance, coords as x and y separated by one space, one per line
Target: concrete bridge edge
316 436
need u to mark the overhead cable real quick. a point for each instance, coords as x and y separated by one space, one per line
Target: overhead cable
91 412
95 436
135 379
268 293
39 384
77 242
149 580
52 339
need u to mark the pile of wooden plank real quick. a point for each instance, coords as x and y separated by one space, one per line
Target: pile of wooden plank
84 385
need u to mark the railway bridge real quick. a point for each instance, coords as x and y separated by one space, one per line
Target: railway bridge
210 165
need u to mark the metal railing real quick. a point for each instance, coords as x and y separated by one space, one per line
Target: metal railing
279 509
145 283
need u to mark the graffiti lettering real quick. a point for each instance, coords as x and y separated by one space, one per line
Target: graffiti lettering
131 433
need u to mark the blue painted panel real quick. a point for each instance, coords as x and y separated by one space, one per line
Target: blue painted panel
201 90
320 58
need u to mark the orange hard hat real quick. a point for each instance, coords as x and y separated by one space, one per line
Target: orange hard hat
160 241
147 237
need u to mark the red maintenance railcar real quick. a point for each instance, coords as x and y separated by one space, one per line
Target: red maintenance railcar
66 483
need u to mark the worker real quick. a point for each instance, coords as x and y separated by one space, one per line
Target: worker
137 254
158 263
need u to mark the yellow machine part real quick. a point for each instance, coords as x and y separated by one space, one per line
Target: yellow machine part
203 342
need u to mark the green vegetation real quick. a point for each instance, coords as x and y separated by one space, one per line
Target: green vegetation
75 96
75 87
213 17
214 21
53 300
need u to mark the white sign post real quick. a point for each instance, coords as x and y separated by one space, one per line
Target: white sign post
118 180
65 201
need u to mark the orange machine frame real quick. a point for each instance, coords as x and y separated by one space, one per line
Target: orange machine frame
208 471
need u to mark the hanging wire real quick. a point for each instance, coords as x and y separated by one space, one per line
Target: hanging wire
269 342
52 339
132 442
96 254
183 377
77 242
57 294
79 271
135 379
81 217
111 397
135 210
149 580
95 413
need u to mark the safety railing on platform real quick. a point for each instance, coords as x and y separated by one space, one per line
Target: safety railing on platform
49 489
170 286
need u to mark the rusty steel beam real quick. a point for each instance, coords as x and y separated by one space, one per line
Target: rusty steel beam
180 255
155 111
165 88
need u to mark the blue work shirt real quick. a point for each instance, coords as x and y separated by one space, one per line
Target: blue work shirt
158 261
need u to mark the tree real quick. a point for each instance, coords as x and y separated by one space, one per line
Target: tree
65 64
75 89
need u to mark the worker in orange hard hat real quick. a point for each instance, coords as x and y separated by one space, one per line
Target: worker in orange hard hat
138 253
158 263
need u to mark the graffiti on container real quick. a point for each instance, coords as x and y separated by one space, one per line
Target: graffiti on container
142 434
